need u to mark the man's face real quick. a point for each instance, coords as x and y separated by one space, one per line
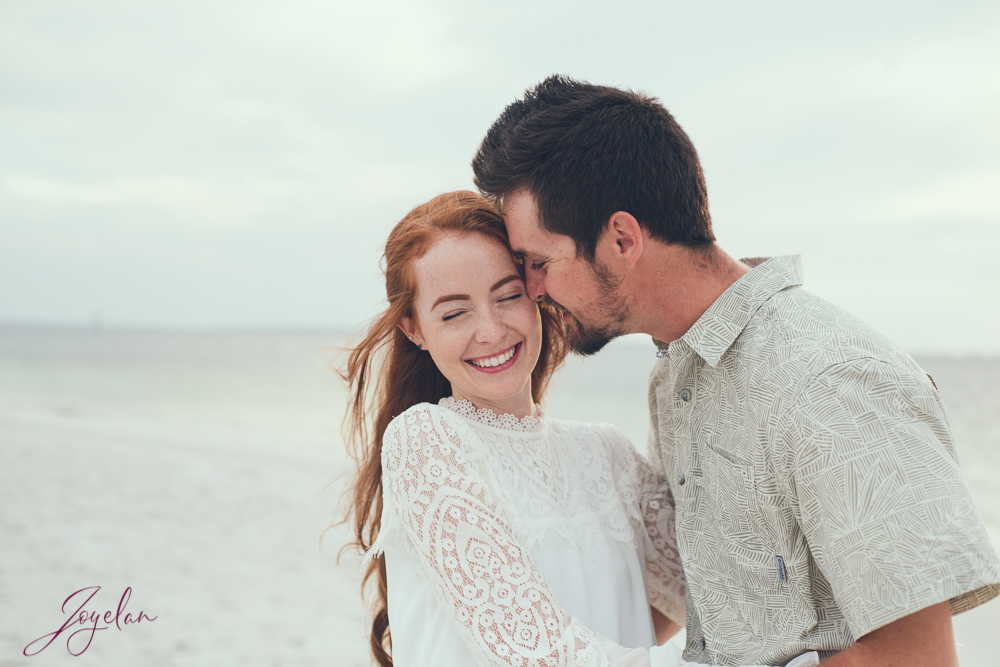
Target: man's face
586 294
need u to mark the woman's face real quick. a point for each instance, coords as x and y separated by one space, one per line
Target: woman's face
472 315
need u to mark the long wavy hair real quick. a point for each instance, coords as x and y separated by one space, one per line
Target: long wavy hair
386 373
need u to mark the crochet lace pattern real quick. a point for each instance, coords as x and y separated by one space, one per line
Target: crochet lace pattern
469 494
487 417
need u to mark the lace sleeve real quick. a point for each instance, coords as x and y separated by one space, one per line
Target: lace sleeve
665 583
454 526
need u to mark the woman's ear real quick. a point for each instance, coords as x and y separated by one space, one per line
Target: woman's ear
406 325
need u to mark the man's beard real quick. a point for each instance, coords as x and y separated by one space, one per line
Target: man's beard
588 339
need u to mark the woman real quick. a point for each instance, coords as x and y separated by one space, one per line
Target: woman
506 538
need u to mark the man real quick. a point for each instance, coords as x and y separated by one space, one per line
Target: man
817 495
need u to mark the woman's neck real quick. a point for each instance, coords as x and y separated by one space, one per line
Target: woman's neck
519 405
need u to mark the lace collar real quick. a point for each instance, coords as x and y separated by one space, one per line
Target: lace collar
506 421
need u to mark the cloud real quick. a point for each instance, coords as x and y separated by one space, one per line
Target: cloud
278 142
176 201
385 47
963 196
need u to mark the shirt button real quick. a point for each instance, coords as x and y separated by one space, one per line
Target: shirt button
685 394
680 478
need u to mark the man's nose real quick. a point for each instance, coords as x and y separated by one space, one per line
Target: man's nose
535 285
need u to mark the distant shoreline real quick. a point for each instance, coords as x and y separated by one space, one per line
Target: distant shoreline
139 329
339 335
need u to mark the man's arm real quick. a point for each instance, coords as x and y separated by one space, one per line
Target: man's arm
663 627
873 478
922 639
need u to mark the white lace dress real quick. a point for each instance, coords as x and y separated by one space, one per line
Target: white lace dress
522 542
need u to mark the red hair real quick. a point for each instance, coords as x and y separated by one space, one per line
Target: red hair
386 373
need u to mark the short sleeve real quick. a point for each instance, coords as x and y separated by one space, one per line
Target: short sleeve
876 488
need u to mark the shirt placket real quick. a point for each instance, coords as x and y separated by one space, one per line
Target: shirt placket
687 471
682 395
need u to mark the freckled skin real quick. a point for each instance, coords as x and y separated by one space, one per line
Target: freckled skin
486 323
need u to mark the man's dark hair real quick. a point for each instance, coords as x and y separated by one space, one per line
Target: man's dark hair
586 151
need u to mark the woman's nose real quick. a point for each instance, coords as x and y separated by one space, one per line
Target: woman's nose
490 329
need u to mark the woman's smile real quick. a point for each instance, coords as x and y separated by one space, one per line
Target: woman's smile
497 362
472 315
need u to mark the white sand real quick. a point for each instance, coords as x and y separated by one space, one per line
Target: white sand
199 482
193 468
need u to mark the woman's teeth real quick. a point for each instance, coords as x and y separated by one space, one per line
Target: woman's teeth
495 361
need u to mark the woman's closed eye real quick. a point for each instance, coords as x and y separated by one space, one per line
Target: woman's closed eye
509 297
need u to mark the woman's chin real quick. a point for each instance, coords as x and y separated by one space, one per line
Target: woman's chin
500 384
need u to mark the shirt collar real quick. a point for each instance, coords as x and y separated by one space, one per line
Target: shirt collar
719 326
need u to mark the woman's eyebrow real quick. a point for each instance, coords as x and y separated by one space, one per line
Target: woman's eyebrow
465 297
503 281
451 297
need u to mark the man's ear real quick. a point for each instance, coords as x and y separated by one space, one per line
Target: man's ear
625 238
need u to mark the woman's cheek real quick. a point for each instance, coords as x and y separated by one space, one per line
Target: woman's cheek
455 339
536 318
528 309
530 325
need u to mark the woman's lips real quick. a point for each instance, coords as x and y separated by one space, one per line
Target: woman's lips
502 367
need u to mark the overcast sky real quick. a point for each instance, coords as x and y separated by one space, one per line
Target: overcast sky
238 165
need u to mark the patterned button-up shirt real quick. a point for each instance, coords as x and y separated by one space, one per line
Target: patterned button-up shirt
816 487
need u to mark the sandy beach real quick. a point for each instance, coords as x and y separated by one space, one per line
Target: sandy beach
200 470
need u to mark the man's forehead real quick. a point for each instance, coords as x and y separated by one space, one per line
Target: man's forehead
520 214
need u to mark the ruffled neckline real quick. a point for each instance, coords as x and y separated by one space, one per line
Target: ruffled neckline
487 417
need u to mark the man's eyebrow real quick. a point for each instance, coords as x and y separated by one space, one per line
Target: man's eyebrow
525 256
465 297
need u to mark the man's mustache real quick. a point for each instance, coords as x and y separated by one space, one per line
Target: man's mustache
559 308
549 301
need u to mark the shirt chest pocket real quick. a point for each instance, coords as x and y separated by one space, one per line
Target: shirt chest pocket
739 510
754 526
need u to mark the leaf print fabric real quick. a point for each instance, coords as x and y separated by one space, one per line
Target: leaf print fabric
817 492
